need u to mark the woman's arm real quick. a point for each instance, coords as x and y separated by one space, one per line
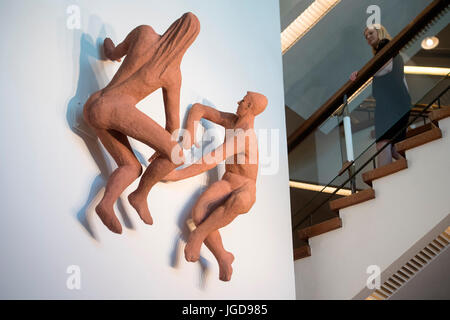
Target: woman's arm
385 69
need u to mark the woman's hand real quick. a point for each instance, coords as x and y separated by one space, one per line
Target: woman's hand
353 76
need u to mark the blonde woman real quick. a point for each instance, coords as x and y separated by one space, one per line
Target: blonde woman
390 91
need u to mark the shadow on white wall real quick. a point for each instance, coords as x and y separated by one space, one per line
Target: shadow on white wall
91 78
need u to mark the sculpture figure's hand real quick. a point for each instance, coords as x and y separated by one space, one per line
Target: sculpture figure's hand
153 157
188 140
108 48
189 135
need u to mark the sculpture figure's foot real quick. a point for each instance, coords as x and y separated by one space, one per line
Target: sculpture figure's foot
225 269
109 219
192 249
140 204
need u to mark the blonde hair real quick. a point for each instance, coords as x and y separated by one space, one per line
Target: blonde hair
381 32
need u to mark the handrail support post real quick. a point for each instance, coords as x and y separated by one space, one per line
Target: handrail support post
349 143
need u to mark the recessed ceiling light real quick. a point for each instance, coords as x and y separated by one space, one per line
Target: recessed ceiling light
430 43
430 71
319 188
305 21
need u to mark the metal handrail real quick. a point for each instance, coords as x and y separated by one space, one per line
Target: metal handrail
390 50
353 175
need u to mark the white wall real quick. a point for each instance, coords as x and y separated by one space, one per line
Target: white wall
52 173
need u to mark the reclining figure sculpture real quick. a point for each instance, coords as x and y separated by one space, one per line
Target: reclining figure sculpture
235 193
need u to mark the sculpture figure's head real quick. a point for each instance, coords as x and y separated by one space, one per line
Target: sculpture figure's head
253 103
179 37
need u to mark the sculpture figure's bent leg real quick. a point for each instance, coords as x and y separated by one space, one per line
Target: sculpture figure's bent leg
213 197
240 201
129 169
118 113
154 173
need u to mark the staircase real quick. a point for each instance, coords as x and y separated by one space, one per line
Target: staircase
400 223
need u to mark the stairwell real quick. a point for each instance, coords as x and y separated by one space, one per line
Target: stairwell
404 214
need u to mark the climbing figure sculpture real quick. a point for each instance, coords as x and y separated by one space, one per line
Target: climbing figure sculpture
152 61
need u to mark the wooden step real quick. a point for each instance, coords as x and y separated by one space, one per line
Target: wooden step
320 228
381 294
419 140
383 171
414 132
302 252
439 114
356 198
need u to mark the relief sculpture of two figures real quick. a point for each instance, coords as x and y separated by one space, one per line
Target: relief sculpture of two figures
152 61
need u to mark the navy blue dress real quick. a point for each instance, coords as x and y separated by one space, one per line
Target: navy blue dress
393 102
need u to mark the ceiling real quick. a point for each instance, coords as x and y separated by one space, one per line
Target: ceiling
438 57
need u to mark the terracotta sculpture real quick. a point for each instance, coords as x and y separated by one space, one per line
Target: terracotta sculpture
152 62
235 194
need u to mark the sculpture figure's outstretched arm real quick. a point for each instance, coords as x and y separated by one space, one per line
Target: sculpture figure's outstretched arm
228 149
171 96
199 111
116 53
